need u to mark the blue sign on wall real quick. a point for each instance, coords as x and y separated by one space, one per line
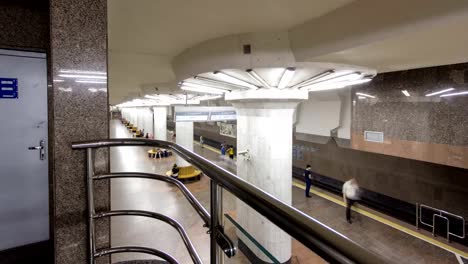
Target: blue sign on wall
8 88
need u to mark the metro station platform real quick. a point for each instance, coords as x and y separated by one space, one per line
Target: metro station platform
396 241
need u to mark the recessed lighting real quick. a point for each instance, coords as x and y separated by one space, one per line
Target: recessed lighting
405 92
440 92
454 94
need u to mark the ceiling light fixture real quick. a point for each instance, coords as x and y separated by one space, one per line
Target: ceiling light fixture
454 94
201 89
313 78
286 78
322 86
405 92
365 95
351 76
205 98
440 92
82 76
90 81
254 75
231 79
218 83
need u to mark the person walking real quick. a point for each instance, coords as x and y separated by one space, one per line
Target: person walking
201 141
231 152
223 149
308 180
350 196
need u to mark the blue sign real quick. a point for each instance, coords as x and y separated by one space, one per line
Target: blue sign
8 88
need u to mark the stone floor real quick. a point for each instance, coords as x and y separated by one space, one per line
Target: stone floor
395 246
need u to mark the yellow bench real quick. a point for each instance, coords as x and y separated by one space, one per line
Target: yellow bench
187 174
134 129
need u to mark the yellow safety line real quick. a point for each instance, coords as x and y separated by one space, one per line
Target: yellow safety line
382 220
387 222
209 147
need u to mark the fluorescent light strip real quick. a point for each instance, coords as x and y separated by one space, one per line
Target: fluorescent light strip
90 81
334 85
201 90
83 72
58 80
286 78
405 92
454 94
313 78
203 87
254 75
440 92
352 76
365 95
82 76
217 83
231 79
205 98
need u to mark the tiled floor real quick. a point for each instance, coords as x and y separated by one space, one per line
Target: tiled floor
396 246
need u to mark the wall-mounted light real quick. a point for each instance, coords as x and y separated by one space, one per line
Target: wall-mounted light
406 93
231 79
286 78
454 94
313 78
441 92
254 75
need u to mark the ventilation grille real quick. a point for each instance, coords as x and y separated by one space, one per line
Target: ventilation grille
373 136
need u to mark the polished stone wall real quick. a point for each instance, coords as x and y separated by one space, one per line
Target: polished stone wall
78 43
24 24
417 127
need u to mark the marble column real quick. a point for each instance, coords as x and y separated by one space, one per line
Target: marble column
160 122
184 137
266 130
78 33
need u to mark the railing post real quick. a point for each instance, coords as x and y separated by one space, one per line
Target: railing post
216 208
91 211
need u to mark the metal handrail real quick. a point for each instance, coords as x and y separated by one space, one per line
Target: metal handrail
192 200
440 214
154 252
188 244
324 241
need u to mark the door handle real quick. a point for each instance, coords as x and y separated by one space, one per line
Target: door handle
41 149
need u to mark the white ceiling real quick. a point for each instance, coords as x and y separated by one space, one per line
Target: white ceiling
145 35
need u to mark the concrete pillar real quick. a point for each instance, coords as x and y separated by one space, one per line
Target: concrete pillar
266 130
184 137
160 123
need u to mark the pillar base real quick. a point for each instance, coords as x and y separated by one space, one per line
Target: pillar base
251 255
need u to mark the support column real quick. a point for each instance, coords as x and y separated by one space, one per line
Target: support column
266 130
160 123
78 34
184 137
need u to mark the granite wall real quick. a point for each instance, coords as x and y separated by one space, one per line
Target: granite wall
24 24
432 129
78 43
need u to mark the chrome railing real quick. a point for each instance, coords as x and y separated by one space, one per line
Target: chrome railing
324 241
444 215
